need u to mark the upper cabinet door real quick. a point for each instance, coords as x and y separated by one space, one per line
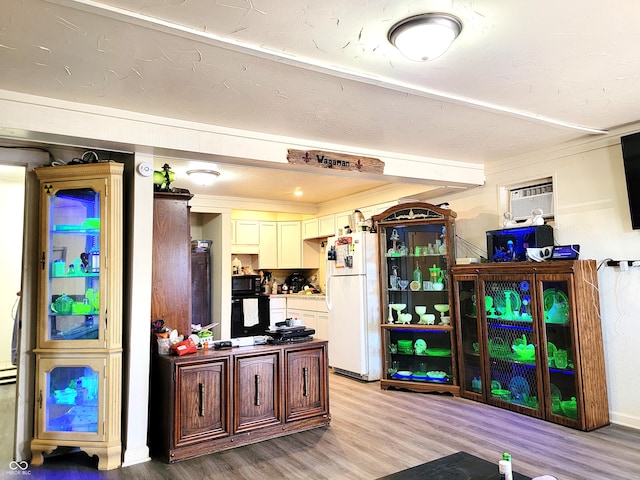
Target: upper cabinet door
289 245
80 256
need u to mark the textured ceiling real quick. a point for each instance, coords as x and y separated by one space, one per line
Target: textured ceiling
324 71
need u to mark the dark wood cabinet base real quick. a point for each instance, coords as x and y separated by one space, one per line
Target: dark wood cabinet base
215 400
241 439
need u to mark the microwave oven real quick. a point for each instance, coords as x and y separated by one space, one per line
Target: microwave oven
243 285
510 244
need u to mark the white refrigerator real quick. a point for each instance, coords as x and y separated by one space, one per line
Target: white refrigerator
353 302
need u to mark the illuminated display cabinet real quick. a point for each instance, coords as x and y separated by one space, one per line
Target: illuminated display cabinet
418 336
530 339
79 331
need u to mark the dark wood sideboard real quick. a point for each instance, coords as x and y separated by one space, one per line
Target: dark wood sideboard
215 400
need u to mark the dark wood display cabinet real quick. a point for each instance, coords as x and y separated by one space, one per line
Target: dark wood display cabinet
418 338
530 339
220 399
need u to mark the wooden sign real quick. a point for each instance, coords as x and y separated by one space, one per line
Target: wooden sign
336 161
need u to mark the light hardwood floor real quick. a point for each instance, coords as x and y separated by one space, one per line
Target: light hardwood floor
376 432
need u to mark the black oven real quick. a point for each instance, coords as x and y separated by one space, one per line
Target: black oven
249 307
249 315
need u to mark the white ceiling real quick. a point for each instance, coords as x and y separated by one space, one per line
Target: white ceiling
522 76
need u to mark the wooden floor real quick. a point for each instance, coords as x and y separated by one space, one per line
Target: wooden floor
375 432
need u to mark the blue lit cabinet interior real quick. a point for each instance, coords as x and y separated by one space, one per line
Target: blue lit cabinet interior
79 331
418 336
530 339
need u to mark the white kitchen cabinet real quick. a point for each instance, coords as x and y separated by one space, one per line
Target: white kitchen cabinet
277 310
245 236
309 319
312 310
368 212
312 253
289 245
327 226
268 249
247 232
342 220
381 207
322 323
310 228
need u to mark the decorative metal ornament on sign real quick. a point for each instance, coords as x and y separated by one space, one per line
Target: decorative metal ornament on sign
336 161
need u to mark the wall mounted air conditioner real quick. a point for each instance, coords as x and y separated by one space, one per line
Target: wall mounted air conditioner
525 199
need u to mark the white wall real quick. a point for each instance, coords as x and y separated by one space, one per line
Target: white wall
591 210
12 181
137 315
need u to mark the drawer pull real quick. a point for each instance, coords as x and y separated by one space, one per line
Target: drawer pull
305 384
257 399
201 399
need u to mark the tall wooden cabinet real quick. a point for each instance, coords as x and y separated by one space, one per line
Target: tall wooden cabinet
200 286
530 339
219 399
79 332
171 273
418 339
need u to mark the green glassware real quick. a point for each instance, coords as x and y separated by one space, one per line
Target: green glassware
417 275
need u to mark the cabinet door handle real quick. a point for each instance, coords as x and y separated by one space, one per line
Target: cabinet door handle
257 399
42 261
40 399
305 382
201 399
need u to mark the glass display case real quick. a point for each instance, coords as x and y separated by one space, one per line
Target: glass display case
416 249
73 251
530 339
79 332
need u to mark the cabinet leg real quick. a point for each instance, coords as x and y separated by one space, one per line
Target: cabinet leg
38 451
108 457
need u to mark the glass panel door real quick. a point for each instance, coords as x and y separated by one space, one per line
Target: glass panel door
512 342
69 397
471 348
558 332
72 400
74 263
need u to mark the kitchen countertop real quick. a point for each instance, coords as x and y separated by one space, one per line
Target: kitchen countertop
299 295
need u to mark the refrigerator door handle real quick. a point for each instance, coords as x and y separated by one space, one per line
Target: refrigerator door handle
327 297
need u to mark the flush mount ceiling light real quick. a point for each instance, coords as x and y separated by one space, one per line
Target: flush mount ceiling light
203 177
426 36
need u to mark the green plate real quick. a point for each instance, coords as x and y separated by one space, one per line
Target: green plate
551 295
438 352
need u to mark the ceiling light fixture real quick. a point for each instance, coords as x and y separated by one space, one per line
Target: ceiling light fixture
203 177
426 36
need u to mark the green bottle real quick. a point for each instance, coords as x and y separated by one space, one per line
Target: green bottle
417 276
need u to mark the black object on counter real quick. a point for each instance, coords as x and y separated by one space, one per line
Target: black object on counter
296 282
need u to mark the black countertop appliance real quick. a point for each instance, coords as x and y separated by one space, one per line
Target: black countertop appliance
295 282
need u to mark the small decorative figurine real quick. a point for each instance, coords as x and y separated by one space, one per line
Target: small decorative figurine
162 180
